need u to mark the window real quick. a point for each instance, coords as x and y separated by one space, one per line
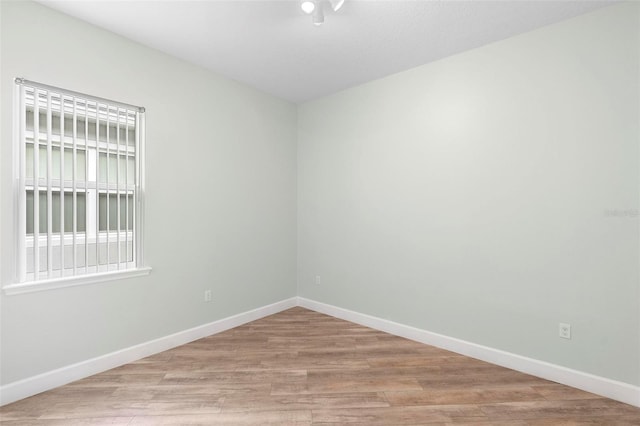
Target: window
79 186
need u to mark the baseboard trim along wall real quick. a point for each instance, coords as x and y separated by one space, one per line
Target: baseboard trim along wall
599 385
52 379
608 388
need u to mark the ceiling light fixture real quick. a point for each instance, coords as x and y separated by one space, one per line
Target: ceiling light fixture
307 6
315 8
318 16
336 4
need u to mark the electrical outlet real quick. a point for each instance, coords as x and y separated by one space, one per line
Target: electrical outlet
564 330
318 280
207 296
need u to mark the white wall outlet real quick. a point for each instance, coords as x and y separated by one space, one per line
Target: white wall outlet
318 280
564 330
207 296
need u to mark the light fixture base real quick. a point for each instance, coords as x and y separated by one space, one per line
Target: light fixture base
315 8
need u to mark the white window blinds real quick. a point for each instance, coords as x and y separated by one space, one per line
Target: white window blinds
79 183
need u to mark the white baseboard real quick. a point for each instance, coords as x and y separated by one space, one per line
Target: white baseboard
52 379
619 391
599 385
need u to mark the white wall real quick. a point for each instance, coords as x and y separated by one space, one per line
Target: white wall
221 212
476 196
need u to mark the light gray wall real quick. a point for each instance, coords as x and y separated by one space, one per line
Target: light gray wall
477 196
221 188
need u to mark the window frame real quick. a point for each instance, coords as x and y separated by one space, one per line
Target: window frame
80 274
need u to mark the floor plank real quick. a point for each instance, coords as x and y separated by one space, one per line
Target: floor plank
299 367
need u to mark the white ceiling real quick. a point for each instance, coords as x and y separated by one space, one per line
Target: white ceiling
273 46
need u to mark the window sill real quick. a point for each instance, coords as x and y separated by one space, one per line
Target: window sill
56 283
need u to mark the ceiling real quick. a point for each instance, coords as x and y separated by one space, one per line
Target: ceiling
273 46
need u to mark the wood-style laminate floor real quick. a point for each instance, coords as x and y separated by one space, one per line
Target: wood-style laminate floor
300 367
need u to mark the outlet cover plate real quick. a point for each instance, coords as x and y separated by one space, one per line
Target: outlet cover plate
564 330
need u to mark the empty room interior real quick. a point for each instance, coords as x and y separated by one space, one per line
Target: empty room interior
320 212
